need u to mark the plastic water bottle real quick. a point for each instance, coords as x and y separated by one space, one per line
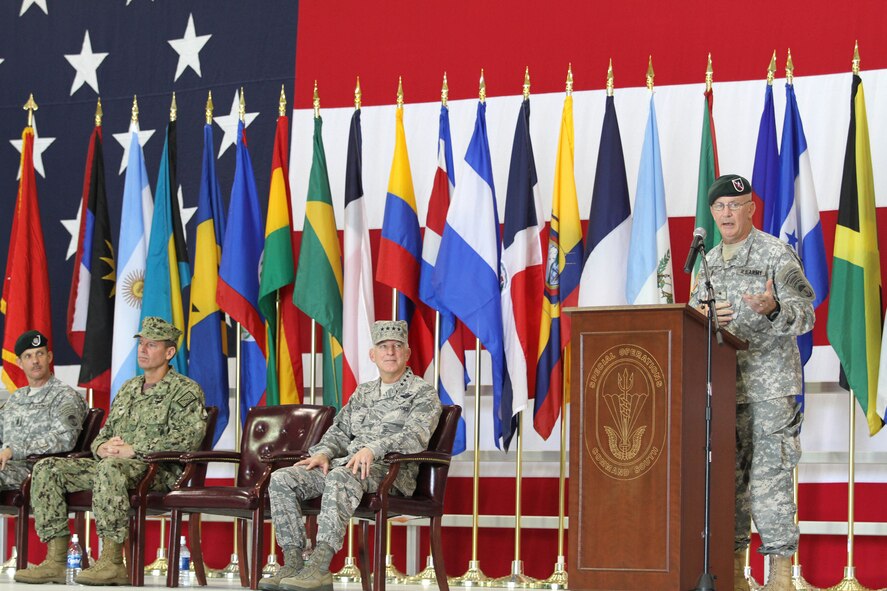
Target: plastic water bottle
75 559
184 564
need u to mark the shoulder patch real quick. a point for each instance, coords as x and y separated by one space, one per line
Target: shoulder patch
793 278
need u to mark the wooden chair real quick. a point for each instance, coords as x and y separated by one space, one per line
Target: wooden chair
143 501
426 501
290 428
18 502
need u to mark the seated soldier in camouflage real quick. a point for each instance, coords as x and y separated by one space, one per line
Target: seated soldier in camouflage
161 410
397 413
44 417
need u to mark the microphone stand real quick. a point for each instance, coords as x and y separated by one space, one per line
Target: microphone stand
706 579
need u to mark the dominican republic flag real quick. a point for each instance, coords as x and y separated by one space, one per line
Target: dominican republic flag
604 272
650 279
453 378
522 275
135 228
357 290
469 255
765 174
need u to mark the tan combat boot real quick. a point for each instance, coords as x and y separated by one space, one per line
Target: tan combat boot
108 569
292 564
315 576
51 570
739 581
780 574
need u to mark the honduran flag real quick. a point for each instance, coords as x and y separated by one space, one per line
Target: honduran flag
522 275
453 379
400 253
469 255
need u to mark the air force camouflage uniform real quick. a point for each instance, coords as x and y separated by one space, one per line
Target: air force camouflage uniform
44 421
168 416
400 420
768 377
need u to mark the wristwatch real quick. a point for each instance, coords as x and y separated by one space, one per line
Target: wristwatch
772 315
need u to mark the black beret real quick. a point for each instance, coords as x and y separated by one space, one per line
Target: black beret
728 185
30 340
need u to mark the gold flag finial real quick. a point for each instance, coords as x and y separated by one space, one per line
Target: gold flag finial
281 103
173 108
527 83
98 112
316 102
569 79
650 73
855 62
209 108
789 68
610 78
400 92
135 109
482 91
242 110
709 74
357 94
444 92
30 107
771 69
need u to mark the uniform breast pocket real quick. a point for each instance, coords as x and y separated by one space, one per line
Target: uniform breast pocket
155 423
35 421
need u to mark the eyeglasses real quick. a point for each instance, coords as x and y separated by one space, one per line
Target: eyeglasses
390 346
732 206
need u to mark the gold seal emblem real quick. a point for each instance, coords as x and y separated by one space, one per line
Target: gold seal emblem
627 388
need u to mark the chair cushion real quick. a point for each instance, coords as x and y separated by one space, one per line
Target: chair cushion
12 498
219 500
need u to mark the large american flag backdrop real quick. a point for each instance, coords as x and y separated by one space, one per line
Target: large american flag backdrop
70 53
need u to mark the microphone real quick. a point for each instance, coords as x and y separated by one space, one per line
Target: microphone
695 245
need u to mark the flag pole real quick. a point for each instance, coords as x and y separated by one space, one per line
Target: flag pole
312 371
474 576
559 578
798 580
849 582
272 566
233 569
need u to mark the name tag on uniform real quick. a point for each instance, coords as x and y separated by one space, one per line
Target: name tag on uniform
754 272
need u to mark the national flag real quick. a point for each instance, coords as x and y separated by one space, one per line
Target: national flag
91 301
854 318
708 172
284 371
522 275
318 290
796 211
135 228
766 171
25 303
469 255
453 378
400 253
650 278
359 310
237 292
563 268
166 269
207 331
604 272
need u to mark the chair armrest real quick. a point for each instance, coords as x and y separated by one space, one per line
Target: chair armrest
229 457
38 457
164 456
79 454
283 459
433 457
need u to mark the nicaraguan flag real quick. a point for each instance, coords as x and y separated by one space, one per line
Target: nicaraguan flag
469 255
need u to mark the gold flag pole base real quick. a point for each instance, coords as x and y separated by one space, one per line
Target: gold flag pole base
558 579
473 577
232 571
214 573
271 567
517 579
849 583
9 565
750 579
349 573
426 576
798 580
160 564
392 575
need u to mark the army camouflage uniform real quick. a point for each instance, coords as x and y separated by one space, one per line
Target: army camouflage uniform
168 416
401 420
46 421
768 377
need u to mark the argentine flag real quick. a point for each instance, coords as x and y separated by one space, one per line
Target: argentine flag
135 227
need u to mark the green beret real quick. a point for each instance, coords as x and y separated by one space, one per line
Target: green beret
389 330
30 340
158 329
728 185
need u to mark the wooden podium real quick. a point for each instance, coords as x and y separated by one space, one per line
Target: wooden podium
637 449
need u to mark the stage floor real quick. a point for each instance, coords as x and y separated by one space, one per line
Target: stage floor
6 583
